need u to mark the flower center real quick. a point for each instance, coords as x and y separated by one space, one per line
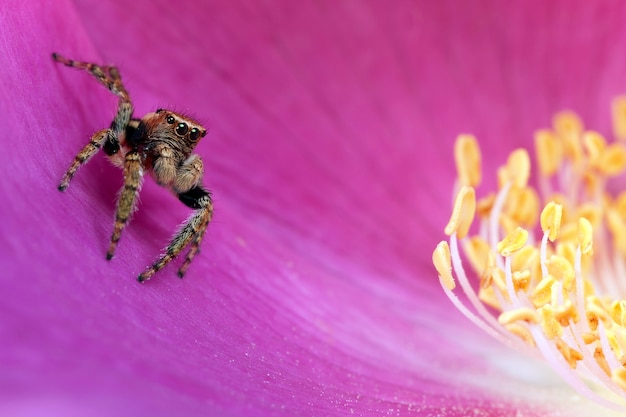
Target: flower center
550 259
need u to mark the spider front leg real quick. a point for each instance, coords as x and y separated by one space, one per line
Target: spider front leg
107 139
97 141
193 232
133 175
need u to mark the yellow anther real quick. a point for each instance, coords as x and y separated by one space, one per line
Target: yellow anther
498 278
525 258
598 355
568 233
468 161
550 219
522 332
613 160
569 127
565 313
523 206
549 152
485 204
521 280
594 144
550 325
589 338
616 225
592 181
513 242
443 264
618 107
567 250
620 203
542 293
462 213
526 314
591 212
508 224
518 168
477 251
619 377
618 312
488 296
615 348
572 356
567 123
595 314
562 270
585 236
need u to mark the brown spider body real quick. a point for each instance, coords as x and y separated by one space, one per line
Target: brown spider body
160 143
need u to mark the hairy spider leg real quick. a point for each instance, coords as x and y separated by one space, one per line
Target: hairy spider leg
133 174
107 138
95 143
193 250
193 232
108 76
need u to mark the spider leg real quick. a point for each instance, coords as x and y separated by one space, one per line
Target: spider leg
193 251
99 139
133 175
107 75
107 139
192 231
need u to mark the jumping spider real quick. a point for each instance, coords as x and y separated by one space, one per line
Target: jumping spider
160 143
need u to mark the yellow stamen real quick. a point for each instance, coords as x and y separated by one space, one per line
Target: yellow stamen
518 168
569 128
618 312
523 206
468 160
521 280
513 242
613 160
462 213
528 315
598 355
551 219
485 204
521 331
550 325
549 152
594 144
619 377
561 269
479 255
525 258
542 293
443 264
571 355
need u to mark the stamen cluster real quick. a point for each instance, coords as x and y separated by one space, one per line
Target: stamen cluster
550 259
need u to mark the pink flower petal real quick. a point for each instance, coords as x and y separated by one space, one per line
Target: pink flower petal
329 153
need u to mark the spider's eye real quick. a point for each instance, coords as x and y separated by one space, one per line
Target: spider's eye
170 120
159 110
195 133
181 129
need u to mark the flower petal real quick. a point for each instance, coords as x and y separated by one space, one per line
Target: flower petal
330 155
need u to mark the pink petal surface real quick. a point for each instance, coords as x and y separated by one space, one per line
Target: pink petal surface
329 154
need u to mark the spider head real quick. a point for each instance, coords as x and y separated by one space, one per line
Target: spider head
178 130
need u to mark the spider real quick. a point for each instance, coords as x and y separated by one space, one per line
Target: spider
160 143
